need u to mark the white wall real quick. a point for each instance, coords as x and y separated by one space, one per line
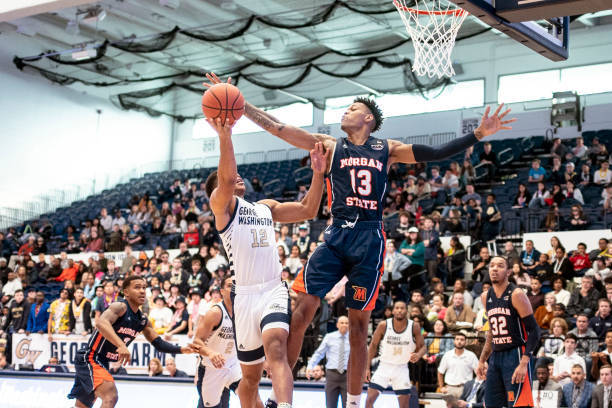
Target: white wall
48 136
486 59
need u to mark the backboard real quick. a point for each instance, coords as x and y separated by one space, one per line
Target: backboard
541 25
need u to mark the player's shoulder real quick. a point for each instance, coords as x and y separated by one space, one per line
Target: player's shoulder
118 306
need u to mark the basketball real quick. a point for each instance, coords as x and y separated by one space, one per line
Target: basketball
223 101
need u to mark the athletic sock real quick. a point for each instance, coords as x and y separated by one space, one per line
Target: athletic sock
353 401
272 396
284 405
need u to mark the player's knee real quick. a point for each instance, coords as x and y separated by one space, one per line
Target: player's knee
277 351
110 400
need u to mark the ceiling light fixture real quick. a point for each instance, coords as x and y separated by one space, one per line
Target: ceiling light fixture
84 54
171 4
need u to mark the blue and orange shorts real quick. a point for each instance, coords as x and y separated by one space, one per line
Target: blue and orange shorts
355 250
89 374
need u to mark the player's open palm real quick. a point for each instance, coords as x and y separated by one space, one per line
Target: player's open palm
494 123
318 158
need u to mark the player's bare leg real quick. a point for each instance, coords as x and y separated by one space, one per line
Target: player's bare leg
404 400
372 396
79 404
275 347
305 308
358 358
107 392
249 386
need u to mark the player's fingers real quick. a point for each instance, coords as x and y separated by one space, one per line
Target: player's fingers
498 109
486 112
229 80
507 111
506 128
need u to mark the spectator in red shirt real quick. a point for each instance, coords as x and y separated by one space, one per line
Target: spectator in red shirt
580 258
192 236
28 247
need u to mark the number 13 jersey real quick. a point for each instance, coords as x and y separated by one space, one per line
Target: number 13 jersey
250 244
504 320
358 179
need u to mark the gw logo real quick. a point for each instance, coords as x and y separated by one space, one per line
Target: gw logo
22 350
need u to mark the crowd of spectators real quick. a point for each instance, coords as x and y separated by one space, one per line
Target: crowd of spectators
416 268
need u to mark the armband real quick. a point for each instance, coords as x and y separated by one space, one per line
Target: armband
165 347
424 153
533 334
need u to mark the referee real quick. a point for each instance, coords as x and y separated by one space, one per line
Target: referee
335 348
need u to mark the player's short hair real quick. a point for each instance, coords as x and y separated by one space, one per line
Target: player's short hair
502 257
225 278
211 183
376 111
128 281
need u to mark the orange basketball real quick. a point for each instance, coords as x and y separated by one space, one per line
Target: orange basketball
223 101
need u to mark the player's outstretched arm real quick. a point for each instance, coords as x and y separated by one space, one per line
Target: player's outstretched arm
309 206
222 198
211 319
162 345
293 135
104 324
374 343
415 153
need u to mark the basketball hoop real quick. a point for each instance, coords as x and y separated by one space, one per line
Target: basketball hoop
433 28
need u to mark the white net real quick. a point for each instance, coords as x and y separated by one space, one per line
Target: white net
433 26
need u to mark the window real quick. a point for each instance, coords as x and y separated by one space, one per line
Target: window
466 94
298 114
533 86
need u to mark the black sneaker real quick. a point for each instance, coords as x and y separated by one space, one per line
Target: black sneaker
271 404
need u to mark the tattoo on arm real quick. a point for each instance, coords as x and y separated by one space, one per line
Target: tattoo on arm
262 118
488 348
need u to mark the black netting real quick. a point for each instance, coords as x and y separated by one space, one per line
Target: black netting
151 44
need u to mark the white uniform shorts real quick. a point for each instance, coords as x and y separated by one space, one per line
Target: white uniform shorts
258 308
394 375
211 381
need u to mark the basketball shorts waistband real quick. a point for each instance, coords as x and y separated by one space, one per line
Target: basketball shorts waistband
257 288
359 225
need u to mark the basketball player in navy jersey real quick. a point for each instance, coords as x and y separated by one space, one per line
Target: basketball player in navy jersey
354 244
115 329
511 340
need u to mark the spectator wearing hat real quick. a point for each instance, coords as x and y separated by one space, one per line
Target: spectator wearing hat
303 241
193 310
180 318
160 315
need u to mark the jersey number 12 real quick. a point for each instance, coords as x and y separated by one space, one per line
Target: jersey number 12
260 238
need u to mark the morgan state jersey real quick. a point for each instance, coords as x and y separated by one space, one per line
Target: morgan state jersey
221 339
127 328
250 244
358 179
504 321
395 348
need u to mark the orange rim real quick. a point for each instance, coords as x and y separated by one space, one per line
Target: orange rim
456 12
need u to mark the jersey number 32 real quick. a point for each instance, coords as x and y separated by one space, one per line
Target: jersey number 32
499 325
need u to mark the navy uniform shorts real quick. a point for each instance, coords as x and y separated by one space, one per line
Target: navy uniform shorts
355 250
88 375
500 392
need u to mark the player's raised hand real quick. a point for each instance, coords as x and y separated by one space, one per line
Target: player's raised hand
124 355
223 129
318 158
494 123
214 80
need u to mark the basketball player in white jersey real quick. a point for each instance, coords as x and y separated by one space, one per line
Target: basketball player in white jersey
260 299
400 342
219 367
